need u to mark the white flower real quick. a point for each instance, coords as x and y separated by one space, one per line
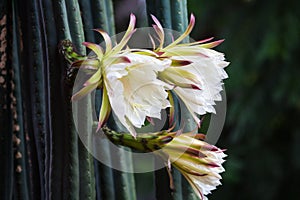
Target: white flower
135 92
135 82
129 81
199 162
209 73
196 72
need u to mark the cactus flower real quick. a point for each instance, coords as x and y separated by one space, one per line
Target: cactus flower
129 81
199 162
134 91
196 71
136 81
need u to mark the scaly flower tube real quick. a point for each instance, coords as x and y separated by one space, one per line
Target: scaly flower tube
129 81
199 162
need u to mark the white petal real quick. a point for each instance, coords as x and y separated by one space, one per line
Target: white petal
210 73
134 90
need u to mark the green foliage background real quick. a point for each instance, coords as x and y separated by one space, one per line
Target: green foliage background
262 42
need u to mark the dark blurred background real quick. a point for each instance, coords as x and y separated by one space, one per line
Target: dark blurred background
261 134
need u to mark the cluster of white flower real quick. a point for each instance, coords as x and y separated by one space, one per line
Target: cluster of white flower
136 86
136 83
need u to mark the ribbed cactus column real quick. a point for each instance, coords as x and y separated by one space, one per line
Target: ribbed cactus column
57 164
6 137
34 87
64 171
179 23
21 178
117 184
162 10
173 15
105 180
86 165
